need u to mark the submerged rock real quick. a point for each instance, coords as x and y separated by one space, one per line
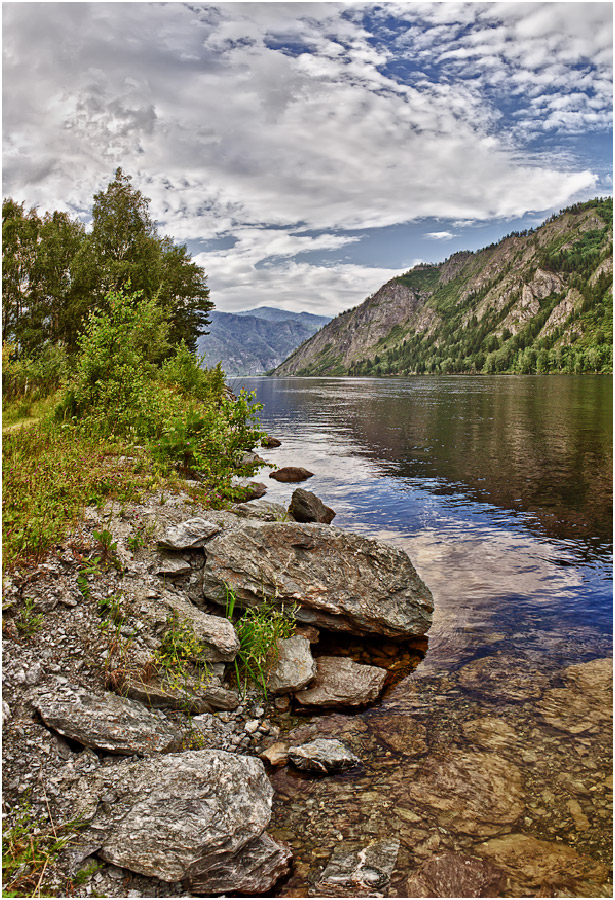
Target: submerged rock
181 815
532 864
307 507
403 734
188 535
253 870
294 667
501 676
107 722
340 581
473 793
291 474
585 704
455 874
322 755
362 872
341 682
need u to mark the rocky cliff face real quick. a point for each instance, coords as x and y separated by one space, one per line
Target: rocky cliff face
537 301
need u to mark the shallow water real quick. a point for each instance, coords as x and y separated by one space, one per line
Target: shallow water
499 488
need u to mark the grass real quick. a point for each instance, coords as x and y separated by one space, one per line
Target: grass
30 850
179 659
259 630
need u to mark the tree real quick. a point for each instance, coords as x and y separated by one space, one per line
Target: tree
20 234
124 249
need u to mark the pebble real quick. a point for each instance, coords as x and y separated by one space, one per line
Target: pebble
251 726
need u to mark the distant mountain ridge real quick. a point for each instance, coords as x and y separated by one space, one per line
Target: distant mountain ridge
254 341
535 302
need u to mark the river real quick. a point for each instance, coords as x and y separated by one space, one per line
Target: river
499 489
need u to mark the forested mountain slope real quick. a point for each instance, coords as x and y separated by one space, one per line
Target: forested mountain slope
536 302
253 341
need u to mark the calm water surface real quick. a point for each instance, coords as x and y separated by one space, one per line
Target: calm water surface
499 488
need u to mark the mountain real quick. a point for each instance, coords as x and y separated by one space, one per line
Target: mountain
254 341
537 301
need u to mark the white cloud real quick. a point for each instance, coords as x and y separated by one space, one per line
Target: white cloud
268 120
440 235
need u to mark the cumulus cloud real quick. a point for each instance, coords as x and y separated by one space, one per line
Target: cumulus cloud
266 121
440 235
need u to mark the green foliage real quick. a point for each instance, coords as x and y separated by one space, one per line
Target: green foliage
27 621
180 657
259 630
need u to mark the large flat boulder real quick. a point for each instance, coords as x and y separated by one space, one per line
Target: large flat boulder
341 682
339 580
107 722
181 815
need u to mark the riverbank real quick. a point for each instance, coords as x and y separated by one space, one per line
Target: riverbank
491 778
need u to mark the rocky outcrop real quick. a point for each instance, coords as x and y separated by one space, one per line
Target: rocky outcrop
294 667
341 682
323 755
261 509
182 815
107 722
191 694
338 580
307 507
290 474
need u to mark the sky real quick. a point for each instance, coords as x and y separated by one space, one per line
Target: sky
306 153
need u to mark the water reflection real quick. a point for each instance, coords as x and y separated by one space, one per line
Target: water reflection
499 489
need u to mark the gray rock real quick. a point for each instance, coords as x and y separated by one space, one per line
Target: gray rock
192 696
252 459
294 667
340 581
216 632
270 442
173 566
262 509
307 507
365 872
289 474
107 722
256 490
189 534
181 815
323 755
341 682
254 870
